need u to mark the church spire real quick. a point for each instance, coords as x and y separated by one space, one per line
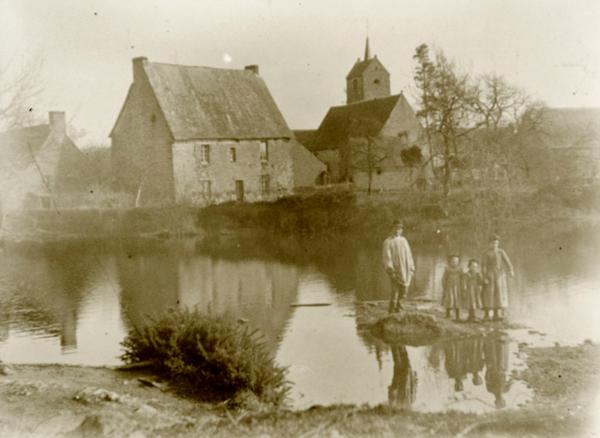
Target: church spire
367 50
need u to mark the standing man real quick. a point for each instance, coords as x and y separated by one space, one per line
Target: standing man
398 263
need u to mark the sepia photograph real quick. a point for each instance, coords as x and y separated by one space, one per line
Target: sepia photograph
299 218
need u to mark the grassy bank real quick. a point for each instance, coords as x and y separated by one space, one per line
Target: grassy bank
322 213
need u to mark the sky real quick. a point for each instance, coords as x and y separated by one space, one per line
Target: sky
305 48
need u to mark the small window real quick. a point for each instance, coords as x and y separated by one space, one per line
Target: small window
376 81
264 151
355 85
205 154
206 189
265 184
232 155
153 118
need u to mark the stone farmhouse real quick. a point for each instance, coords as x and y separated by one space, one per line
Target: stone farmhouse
203 135
38 165
371 111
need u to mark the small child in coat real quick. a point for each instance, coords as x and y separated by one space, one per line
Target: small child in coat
451 286
472 289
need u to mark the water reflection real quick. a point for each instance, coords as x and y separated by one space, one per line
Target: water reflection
467 359
73 303
403 389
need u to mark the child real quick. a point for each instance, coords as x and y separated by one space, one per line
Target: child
472 286
451 286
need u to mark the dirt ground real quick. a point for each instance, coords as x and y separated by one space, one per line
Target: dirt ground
68 401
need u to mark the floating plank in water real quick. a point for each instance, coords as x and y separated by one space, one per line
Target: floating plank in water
310 304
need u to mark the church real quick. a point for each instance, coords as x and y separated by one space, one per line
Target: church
365 140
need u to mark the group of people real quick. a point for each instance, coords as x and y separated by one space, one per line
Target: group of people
473 290
470 290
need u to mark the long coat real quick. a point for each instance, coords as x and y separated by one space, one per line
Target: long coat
496 363
471 291
398 260
495 268
451 287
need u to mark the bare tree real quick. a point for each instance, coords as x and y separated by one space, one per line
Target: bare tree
511 129
19 86
446 99
367 150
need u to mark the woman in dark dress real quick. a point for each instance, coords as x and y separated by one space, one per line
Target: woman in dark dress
495 268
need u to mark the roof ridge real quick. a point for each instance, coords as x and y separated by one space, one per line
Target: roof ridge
362 102
170 64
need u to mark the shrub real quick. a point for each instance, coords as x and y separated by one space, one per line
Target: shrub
211 357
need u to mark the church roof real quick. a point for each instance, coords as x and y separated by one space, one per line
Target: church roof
305 136
360 66
337 124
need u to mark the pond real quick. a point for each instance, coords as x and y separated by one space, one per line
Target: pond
73 303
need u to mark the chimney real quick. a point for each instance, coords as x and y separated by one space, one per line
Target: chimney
57 121
138 67
253 68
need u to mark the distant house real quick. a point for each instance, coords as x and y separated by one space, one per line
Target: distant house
371 111
36 165
572 136
204 135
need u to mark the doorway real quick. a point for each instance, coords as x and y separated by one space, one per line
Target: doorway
239 190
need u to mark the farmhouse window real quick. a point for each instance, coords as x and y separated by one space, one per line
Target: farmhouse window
265 184
205 154
206 189
264 151
232 155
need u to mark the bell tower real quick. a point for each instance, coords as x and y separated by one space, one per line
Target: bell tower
368 79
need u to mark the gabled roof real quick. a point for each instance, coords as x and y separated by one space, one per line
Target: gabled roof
306 137
572 127
19 146
335 127
212 103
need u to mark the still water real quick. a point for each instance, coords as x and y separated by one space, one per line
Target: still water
74 302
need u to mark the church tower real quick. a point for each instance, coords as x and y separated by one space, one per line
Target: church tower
368 79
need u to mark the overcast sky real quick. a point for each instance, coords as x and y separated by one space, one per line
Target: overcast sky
304 48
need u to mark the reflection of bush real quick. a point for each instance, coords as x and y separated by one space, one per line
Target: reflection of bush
210 356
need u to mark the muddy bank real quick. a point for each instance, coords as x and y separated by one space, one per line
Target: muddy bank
79 401
420 323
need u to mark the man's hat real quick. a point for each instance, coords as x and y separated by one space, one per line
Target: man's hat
398 224
494 237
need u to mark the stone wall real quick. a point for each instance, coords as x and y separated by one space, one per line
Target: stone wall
141 152
332 160
191 172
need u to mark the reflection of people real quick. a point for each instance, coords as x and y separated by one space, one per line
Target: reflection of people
398 263
496 363
495 266
461 358
403 389
471 290
451 286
